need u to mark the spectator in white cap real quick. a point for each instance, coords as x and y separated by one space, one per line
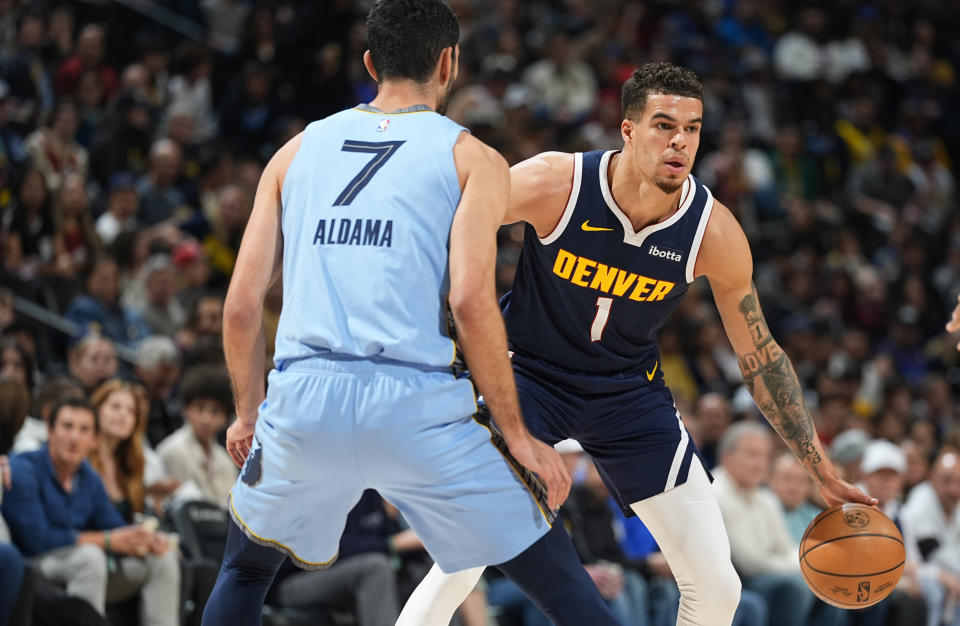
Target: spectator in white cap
920 592
930 517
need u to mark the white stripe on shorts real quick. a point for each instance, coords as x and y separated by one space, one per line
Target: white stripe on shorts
678 455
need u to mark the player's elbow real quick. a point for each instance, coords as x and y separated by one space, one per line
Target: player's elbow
241 312
468 304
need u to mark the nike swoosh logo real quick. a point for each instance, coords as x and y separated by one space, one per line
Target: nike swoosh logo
650 375
587 227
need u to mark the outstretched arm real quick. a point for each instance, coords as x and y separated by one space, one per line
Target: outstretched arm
767 371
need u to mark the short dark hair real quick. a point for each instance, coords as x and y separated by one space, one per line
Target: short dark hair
664 78
406 37
73 403
207 382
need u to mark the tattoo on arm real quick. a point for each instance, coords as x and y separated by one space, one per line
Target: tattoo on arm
774 385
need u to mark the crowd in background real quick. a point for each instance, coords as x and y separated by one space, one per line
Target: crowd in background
131 144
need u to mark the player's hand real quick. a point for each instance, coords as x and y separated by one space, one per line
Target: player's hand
544 461
837 491
239 440
954 324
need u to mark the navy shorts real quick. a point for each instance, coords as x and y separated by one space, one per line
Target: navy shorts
628 425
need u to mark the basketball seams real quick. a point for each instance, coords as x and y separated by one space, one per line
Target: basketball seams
880 573
803 555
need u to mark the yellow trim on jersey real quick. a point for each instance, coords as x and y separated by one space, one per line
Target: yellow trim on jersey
510 462
285 548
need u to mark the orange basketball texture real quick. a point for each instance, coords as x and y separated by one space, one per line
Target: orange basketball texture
852 556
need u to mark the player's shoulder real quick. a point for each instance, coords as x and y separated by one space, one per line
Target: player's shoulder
546 167
470 154
724 251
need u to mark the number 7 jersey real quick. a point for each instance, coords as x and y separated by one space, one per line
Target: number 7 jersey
367 205
591 296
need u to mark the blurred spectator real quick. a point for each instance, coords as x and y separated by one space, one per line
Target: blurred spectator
918 591
205 322
160 309
247 114
799 54
158 368
90 52
760 544
713 417
26 74
55 151
190 88
33 434
931 514
60 515
223 243
30 227
590 520
99 306
123 204
846 450
563 87
118 458
75 243
792 486
918 465
16 362
192 454
160 198
92 360
123 143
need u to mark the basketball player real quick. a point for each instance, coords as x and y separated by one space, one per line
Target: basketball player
358 212
613 240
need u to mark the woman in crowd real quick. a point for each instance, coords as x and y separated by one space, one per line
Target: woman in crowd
119 459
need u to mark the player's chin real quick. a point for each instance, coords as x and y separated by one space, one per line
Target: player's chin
670 183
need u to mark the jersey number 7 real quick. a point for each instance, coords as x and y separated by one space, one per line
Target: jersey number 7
381 151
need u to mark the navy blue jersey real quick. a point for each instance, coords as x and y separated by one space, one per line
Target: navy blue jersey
592 295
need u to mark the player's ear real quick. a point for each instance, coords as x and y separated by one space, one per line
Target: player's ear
627 128
446 66
368 63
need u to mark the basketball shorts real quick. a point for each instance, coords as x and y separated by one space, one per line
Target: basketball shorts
329 429
628 425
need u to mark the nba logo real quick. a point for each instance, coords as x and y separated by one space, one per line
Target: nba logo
382 126
863 591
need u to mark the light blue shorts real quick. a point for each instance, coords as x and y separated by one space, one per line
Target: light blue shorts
329 429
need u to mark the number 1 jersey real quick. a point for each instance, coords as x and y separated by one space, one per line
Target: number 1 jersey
367 205
591 296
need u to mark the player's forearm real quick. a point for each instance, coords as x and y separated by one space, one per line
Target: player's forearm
483 340
244 347
775 388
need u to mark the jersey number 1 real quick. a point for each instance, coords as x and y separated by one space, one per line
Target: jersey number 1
381 151
600 321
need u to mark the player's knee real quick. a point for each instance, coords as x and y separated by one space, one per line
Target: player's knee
722 595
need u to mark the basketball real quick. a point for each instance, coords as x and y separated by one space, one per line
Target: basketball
852 556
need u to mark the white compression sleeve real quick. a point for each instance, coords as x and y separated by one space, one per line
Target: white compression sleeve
437 597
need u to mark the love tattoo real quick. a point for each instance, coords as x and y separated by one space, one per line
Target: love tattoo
774 385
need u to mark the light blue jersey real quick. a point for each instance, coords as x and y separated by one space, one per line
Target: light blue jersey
363 396
367 206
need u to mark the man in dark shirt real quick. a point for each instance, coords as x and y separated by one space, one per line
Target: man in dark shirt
60 515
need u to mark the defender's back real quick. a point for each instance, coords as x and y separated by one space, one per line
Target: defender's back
367 206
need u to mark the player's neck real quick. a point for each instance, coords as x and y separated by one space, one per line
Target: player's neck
395 95
641 200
